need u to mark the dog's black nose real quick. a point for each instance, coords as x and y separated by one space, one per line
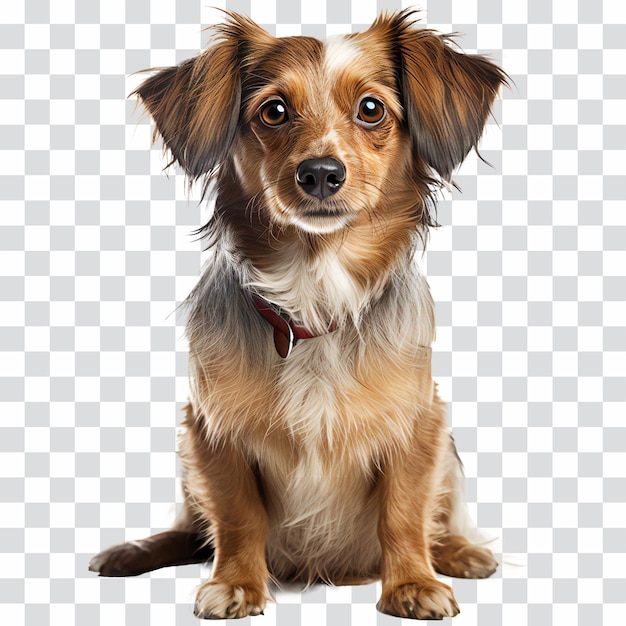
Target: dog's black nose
321 177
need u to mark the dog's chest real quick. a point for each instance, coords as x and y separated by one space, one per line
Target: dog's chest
307 394
339 397
338 421
321 512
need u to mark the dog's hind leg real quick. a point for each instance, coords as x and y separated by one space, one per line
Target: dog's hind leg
172 547
454 551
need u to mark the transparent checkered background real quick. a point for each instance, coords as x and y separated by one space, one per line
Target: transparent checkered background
96 253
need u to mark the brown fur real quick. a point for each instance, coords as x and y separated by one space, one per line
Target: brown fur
333 464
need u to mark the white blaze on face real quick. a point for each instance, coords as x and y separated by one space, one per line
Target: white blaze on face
340 53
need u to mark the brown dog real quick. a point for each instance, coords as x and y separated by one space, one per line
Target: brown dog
315 446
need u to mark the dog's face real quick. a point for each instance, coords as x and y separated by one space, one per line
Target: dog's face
321 136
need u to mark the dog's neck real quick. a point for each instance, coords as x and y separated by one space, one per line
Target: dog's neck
314 287
317 280
332 281
286 332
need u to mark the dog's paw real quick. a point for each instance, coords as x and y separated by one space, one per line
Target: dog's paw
458 558
126 559
419 600
220 600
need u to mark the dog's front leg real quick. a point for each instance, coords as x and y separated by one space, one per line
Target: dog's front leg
409 586
230 501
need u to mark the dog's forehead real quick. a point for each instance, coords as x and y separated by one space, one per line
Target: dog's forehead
284 56
354 56
341 52
304 66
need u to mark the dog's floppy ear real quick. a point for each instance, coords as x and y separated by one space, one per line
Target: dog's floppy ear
195 105
447 95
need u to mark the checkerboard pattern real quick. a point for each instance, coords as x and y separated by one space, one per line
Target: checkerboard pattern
528 270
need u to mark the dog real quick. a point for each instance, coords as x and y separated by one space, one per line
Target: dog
315 446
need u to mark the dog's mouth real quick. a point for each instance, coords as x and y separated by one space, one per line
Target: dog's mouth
317 215
324 212
321 219
313 216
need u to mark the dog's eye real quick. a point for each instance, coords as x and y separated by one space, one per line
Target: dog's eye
273 113
371 111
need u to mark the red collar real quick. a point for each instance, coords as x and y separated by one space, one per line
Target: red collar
286 332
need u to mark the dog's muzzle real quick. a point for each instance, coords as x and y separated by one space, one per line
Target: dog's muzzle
321 178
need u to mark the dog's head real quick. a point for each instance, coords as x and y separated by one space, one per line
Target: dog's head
319 136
